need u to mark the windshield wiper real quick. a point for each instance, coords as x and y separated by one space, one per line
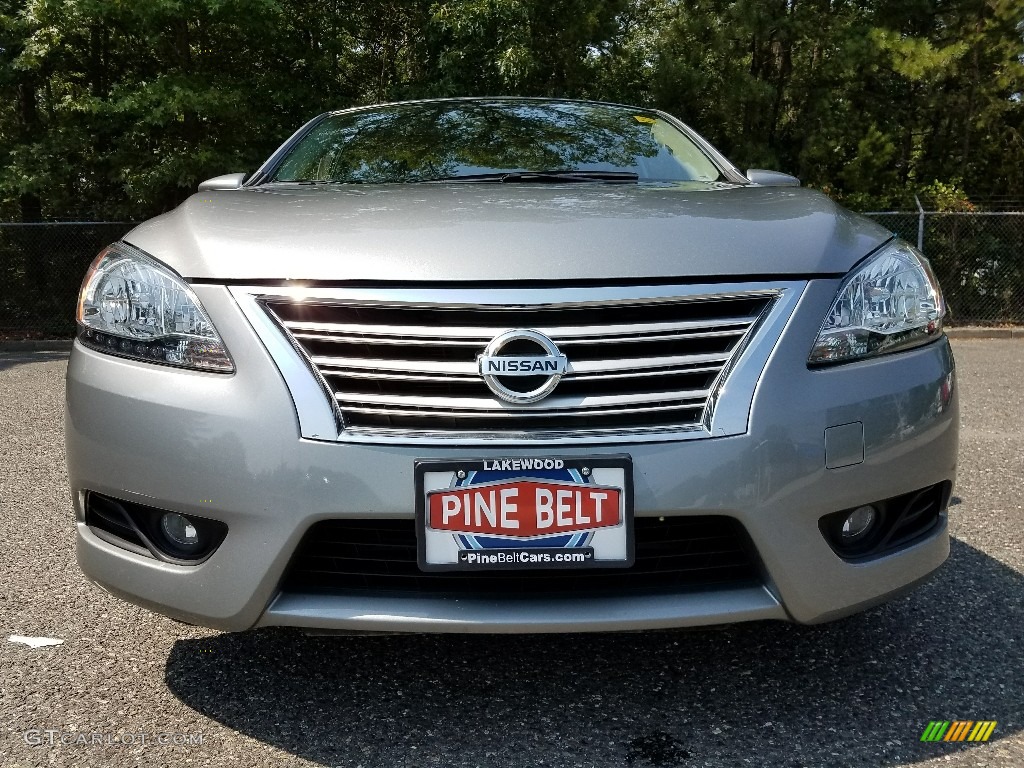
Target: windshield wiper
312 182
506 177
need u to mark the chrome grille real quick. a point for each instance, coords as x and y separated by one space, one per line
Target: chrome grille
637 365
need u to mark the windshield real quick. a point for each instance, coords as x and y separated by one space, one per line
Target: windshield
442 140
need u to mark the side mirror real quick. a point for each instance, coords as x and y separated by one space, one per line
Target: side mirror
771 178
227 181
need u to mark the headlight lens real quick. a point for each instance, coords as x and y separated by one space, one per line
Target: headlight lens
133 306
890 302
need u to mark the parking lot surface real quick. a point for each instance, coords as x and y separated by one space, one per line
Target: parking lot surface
129 688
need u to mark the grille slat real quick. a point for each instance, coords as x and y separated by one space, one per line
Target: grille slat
642 365
415 341
509 415
558 333
379 557
378 375
469 368
553 403
444 367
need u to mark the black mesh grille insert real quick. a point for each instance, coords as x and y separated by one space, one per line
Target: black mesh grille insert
379 557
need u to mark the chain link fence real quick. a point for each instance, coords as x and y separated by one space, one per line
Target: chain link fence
41 270
978 257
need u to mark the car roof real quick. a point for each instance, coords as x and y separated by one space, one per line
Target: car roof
483 99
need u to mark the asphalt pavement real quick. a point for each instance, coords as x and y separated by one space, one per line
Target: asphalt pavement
858 692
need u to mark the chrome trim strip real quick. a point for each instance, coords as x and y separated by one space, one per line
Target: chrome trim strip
608 436
410 341
516 298
452 334
468 414
645 373
667 336
368 373
726 413
357 373
330 364
465 341
728 410
644 363
317 414
492 406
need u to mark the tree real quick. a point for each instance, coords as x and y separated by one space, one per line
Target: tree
111 109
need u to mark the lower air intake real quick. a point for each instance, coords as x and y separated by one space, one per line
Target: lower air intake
378 557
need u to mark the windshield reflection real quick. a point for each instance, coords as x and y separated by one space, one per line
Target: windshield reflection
429 141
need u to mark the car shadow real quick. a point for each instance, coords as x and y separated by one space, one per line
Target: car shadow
855 692
12 359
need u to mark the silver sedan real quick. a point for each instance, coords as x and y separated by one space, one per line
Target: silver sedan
508 365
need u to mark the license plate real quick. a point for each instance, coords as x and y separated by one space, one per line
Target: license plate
524 513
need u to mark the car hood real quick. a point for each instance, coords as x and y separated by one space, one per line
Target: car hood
470 231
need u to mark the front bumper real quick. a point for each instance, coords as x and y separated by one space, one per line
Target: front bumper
229 448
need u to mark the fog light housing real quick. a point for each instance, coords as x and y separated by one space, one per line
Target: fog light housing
168 536
858 531
180 531
884 526
858 524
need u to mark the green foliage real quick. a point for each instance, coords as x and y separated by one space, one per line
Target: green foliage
947 197
116 109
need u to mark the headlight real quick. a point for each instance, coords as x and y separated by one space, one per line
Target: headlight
890 302
133 306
